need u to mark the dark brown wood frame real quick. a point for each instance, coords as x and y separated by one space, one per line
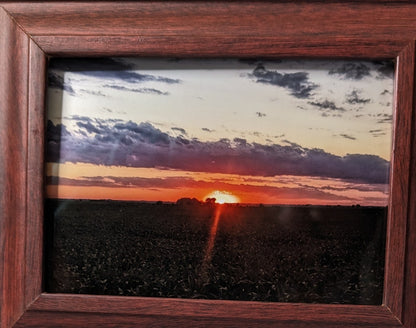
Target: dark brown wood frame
32 32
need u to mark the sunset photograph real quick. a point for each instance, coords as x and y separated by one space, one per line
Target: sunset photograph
260 180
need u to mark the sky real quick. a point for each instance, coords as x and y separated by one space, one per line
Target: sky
271 132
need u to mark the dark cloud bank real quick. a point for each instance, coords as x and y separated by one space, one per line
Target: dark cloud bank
121 143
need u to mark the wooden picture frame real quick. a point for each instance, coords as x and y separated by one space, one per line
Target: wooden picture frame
33 32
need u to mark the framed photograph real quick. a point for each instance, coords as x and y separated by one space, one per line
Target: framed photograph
181 110
225 179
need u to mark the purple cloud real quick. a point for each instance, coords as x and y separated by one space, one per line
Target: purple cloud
124 143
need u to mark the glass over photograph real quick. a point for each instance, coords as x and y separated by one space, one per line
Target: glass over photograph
224 179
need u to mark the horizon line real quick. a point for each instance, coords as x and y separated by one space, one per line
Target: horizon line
217 204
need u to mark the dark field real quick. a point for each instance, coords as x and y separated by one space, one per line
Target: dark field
319 254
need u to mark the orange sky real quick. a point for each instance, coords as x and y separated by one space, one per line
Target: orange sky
281 132
121 183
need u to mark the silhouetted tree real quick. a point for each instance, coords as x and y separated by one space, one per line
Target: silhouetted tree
185 201
210 201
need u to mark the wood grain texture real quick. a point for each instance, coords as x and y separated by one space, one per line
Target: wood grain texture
31 31
110 311
62 319
399 186
14 50
227 28
35 172
213 46
263 19
410 270
116 321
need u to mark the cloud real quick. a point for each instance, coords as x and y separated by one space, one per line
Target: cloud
89 127
240 142
377 133
257 61
354 98
106 68
56 133
326 105
384 118
56 81
89 64
260 114
143 132
186 182
126 182
136 90
126 143
347 136
360 187
92 92
183 131
351 71
297 83
385 69
292 144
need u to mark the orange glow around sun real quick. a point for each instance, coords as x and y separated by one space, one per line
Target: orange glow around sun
222 197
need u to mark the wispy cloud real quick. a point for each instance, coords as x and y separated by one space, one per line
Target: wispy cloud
106 68
111 73
355 98
347 136
377 132
93 92
280 193
135 90
180 130
326 105
384 118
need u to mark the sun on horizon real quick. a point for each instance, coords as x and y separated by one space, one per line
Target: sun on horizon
271 132
223 197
